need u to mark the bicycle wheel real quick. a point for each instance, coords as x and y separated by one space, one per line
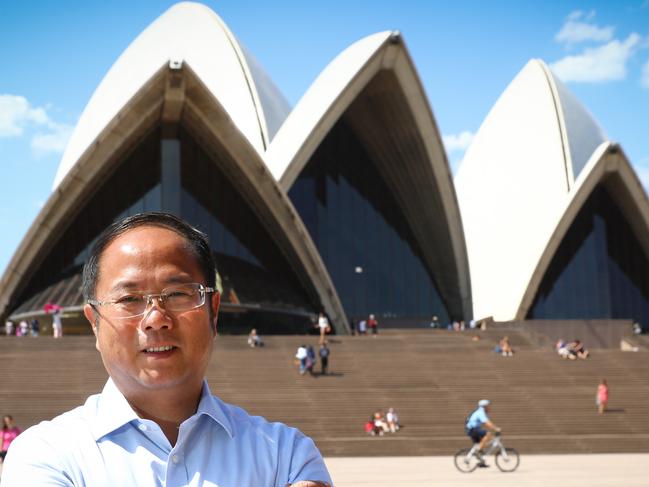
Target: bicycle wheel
507 459
464 462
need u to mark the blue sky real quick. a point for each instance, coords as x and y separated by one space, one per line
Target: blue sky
54 54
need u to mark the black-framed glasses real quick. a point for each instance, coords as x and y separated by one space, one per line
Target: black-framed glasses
180 297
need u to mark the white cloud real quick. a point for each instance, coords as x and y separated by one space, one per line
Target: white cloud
599 64
577 29
575 32
458 142
644 77
54 140
577 14
580 14
16 113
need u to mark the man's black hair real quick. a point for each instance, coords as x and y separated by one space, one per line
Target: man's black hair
196 240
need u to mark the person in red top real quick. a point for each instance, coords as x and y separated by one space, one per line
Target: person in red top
9 433
602 396
373 324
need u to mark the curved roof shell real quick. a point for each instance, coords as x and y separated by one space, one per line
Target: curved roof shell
608 167
322 105
374 84
117 119
186 33
518 180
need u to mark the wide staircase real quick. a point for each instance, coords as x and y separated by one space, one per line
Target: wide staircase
433 378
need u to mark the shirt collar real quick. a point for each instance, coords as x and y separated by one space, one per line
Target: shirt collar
113 411
211 406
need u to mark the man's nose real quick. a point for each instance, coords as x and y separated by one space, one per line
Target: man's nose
155 316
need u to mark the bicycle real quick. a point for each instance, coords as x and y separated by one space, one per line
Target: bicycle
507 459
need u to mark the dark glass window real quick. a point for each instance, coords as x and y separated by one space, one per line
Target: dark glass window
251 266
598 271
361 233
132 187
258 281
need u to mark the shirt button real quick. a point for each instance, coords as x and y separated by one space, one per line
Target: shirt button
175 459
142 427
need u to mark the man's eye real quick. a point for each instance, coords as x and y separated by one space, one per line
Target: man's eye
131 299
177 293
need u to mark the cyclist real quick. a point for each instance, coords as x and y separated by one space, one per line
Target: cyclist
480 428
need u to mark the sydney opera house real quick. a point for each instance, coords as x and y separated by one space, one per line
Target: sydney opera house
345 203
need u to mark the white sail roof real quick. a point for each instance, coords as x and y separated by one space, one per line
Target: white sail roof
324 101
193 33
582 132
515 183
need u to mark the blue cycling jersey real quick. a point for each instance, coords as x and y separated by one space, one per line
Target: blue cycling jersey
477 418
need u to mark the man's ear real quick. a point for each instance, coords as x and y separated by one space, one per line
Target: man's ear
89 313
92 317
215 303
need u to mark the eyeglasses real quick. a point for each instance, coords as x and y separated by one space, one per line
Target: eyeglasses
181 297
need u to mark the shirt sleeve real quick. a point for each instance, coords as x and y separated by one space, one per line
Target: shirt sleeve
32 461
306 462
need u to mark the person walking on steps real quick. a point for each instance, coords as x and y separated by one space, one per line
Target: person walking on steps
324 357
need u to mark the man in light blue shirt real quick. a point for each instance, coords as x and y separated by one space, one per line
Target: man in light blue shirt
479 427
149 285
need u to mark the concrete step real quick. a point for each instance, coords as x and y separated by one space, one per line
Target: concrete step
433 378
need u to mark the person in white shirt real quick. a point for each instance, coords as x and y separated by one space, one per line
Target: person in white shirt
301 356
57 324
323 325
393 420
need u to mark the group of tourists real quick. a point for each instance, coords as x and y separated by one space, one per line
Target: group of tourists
364 324
571 350
24 328
32 327
306 358
380 423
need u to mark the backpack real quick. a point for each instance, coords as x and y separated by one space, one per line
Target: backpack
466 423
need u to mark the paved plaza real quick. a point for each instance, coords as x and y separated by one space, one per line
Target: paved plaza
600 470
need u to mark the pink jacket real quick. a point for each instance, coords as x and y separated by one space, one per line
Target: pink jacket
8 435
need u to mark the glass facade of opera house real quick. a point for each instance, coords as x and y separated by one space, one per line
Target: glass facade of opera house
343 200
599 271
355 221
254 274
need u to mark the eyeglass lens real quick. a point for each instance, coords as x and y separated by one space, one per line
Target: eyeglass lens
176 298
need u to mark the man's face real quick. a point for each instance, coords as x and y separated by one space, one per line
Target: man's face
148 259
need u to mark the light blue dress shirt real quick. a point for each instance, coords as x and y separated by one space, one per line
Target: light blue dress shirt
105 443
